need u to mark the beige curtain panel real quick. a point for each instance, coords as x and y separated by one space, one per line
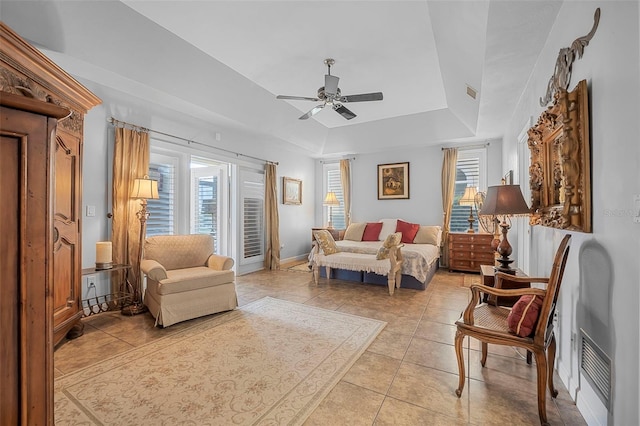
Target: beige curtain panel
130 161
449 163
345 180
272 255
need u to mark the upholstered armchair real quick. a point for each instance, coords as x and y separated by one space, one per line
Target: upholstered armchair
185 279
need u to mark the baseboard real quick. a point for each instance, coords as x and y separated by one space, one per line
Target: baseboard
294 259
590 406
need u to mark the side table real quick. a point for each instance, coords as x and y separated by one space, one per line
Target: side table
487 277
111 301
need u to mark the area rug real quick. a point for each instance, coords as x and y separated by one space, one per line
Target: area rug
269 362
300 267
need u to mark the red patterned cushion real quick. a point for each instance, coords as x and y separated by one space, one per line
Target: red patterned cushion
523 317
409 230
372 231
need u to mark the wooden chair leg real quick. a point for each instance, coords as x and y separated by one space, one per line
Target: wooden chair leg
485 348
551 360
461 374
541 370
316 273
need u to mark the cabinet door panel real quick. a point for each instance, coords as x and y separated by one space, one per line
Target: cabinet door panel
66 249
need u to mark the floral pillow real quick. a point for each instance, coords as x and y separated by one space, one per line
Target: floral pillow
391 241
326 241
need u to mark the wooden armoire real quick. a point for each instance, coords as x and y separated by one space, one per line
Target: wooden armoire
41 137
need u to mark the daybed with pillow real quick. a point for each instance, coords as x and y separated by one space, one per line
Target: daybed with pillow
420 251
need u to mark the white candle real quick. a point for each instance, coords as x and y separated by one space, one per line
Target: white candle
103 252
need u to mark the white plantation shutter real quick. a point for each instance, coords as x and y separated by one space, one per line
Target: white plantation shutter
252 206
470 171
161 220
334 184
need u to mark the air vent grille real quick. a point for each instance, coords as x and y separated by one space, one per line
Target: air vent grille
596 367
471 92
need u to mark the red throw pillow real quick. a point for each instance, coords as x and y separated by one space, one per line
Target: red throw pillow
409 230
523 317
372 231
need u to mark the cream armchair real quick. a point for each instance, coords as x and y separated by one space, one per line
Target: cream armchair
185 279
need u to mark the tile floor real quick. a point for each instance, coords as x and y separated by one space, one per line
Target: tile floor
406 377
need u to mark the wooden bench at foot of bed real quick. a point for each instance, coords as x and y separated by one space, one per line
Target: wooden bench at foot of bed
360 262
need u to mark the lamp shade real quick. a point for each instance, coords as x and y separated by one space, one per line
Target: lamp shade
469 196
145 188
331 199
504 200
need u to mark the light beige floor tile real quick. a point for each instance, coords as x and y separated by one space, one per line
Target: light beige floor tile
430 389
347 404
395 412
436 331
437 355
441 315
391 344
491 404
373 371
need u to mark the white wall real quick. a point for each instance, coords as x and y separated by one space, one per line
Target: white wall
611 67
295 221
424 205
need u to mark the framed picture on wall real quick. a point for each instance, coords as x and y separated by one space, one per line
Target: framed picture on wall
291 191
393 181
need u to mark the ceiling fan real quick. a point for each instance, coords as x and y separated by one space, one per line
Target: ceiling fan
330 94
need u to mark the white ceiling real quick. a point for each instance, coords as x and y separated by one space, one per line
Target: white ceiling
421 54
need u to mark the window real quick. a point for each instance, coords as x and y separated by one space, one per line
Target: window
333 183
470 171
194 196
252 212
162 216
208 200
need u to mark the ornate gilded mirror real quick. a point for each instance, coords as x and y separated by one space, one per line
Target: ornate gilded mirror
560 171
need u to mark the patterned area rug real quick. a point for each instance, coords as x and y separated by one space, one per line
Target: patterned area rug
268 362
300 267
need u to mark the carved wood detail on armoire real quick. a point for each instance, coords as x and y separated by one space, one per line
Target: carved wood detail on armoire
41 140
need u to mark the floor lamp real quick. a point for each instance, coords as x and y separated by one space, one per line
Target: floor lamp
331 200
469 199
143 189
505 201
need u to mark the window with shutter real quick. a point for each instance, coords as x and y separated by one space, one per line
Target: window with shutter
161 220
208 201
471 171
332 183
252 205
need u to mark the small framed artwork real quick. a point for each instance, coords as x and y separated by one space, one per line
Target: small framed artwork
393 181
291 191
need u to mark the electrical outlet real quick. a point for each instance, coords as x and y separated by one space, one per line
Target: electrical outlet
90 282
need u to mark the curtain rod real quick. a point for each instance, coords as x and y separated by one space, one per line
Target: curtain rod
484 145
117 123
337 160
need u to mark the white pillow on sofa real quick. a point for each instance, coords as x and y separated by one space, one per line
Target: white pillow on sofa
428 235
388 228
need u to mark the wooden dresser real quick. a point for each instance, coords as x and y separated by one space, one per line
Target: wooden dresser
41 130
468 251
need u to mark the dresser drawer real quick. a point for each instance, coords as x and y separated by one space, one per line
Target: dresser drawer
471 247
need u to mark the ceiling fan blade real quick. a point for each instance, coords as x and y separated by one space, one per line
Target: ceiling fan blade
297 98
344 111
316 109
331 84
365 97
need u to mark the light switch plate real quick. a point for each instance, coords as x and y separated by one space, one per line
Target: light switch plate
636 208
91 211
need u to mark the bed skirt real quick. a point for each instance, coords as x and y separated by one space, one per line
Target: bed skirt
407 281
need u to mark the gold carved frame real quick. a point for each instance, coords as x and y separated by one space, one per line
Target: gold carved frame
560 171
